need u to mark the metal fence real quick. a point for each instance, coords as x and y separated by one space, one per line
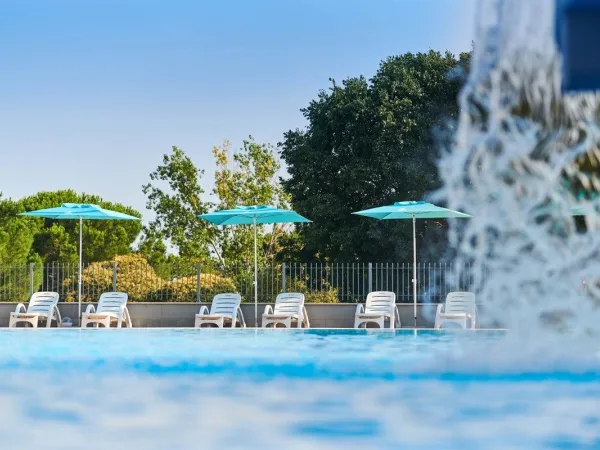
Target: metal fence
338 282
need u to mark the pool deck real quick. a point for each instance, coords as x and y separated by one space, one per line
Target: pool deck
321 315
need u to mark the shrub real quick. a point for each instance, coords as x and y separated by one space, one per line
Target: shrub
184 289
139 280
323 292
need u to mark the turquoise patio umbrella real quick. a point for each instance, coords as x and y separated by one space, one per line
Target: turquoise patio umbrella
253 215
412 210
81 212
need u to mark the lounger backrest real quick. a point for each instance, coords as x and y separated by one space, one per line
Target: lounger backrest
42 302
225 304
111 302
460 303
289 303
380 302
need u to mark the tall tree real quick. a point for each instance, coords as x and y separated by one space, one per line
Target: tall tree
246 178
57 241
249 177
175 195
370 143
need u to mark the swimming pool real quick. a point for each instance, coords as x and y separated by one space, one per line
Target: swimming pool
292 389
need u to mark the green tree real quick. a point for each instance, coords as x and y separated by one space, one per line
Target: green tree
58 241
370 143
249 177
15 242
175 195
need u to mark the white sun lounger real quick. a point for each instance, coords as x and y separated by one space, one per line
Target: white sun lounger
224 307
112 306
289 307
459 308
378 307
42 305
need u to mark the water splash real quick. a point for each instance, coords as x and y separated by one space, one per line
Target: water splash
514 164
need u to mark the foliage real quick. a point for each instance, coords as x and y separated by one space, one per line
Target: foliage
184 289
289 247
16 239
324 292
369 143
175 195
58 241
248 177
138 279
251 181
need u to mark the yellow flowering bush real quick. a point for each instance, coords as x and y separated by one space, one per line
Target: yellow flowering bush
139 280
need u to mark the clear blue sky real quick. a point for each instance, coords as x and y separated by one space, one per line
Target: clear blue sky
94 92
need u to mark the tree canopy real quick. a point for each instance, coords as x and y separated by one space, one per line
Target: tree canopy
248 177
370 143
175 194
32 239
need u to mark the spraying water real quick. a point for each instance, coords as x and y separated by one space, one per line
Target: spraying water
516 164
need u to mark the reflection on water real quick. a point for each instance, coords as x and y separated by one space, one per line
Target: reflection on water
188 412
241 389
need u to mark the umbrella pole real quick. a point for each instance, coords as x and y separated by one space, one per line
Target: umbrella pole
415 268
80 265
255 279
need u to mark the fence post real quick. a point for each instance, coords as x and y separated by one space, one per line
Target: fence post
114 276
370 277
198 283
283 274
30 280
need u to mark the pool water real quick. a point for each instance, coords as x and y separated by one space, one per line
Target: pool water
285 389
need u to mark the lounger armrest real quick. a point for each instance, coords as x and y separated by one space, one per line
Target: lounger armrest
240 316
268 310
123 312
127 316
90 309
397 316
20 309
360 308
203 310
56 315
305 314
440 309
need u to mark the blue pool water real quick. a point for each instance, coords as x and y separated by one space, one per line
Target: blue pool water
292 389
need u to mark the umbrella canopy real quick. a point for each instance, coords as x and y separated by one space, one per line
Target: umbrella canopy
408 210
253 215
81 212
250 215
85 211
412 210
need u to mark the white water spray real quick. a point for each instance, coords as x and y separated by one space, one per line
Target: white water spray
510 166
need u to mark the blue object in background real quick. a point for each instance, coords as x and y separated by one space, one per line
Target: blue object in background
578 40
